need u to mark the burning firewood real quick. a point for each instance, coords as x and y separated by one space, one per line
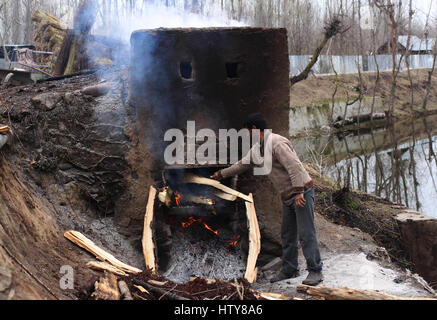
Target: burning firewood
165 196
192 178
199 200
224 195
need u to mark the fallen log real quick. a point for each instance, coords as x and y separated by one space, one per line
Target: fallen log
192 178
83 242
349 294
254 241
147 241
358 119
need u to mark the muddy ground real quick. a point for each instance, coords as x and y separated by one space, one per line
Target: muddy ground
68 165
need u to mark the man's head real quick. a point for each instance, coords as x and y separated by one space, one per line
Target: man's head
256 121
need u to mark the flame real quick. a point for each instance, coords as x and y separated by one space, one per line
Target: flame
209 228
233 242
178 198
192 220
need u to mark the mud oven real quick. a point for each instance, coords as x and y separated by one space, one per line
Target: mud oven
215 77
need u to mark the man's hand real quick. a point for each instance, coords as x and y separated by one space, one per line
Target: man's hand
217 176
300 200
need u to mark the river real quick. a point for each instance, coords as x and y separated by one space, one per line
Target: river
398 162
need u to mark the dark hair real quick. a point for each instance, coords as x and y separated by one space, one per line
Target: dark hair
257 120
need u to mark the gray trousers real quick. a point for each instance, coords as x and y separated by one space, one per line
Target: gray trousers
298 225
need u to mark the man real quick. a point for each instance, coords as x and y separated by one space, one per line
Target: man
297 192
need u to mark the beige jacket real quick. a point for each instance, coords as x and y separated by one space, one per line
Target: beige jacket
288 175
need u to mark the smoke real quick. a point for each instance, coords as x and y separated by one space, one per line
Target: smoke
160 16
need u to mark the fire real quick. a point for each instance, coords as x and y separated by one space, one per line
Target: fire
209 228
233 242
192 220
178 198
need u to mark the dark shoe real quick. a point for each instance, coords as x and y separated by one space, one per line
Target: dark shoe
313 279
284 276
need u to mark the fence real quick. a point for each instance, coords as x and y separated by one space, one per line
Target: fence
350 64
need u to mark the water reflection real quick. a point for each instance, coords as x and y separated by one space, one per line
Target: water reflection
397 163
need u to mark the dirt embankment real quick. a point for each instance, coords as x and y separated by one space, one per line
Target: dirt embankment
321 89
71 165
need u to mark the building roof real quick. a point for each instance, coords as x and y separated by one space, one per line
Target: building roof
417 44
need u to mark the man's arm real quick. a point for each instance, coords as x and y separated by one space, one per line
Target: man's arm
238 168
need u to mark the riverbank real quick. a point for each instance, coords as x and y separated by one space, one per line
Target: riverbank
317 99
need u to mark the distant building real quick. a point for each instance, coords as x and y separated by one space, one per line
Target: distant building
417 46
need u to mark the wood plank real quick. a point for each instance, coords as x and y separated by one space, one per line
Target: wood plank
224 195
147 241
83 242
274 296
4 129
254 241
104 266
349 294
192 178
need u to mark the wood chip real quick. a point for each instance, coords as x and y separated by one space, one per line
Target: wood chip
4 129
254 242
83 242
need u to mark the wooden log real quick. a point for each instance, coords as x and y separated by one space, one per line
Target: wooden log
254 241
147 241
106 288
83 242
192 178
349 294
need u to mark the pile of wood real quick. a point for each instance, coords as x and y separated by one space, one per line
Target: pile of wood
48 36
75 49
121 281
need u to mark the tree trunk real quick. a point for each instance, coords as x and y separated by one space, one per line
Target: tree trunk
72 58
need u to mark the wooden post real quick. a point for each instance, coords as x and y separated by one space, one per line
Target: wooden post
148 245
254 241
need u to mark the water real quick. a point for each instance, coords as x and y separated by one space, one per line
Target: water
398 163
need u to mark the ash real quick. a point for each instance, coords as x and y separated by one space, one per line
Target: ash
196 253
